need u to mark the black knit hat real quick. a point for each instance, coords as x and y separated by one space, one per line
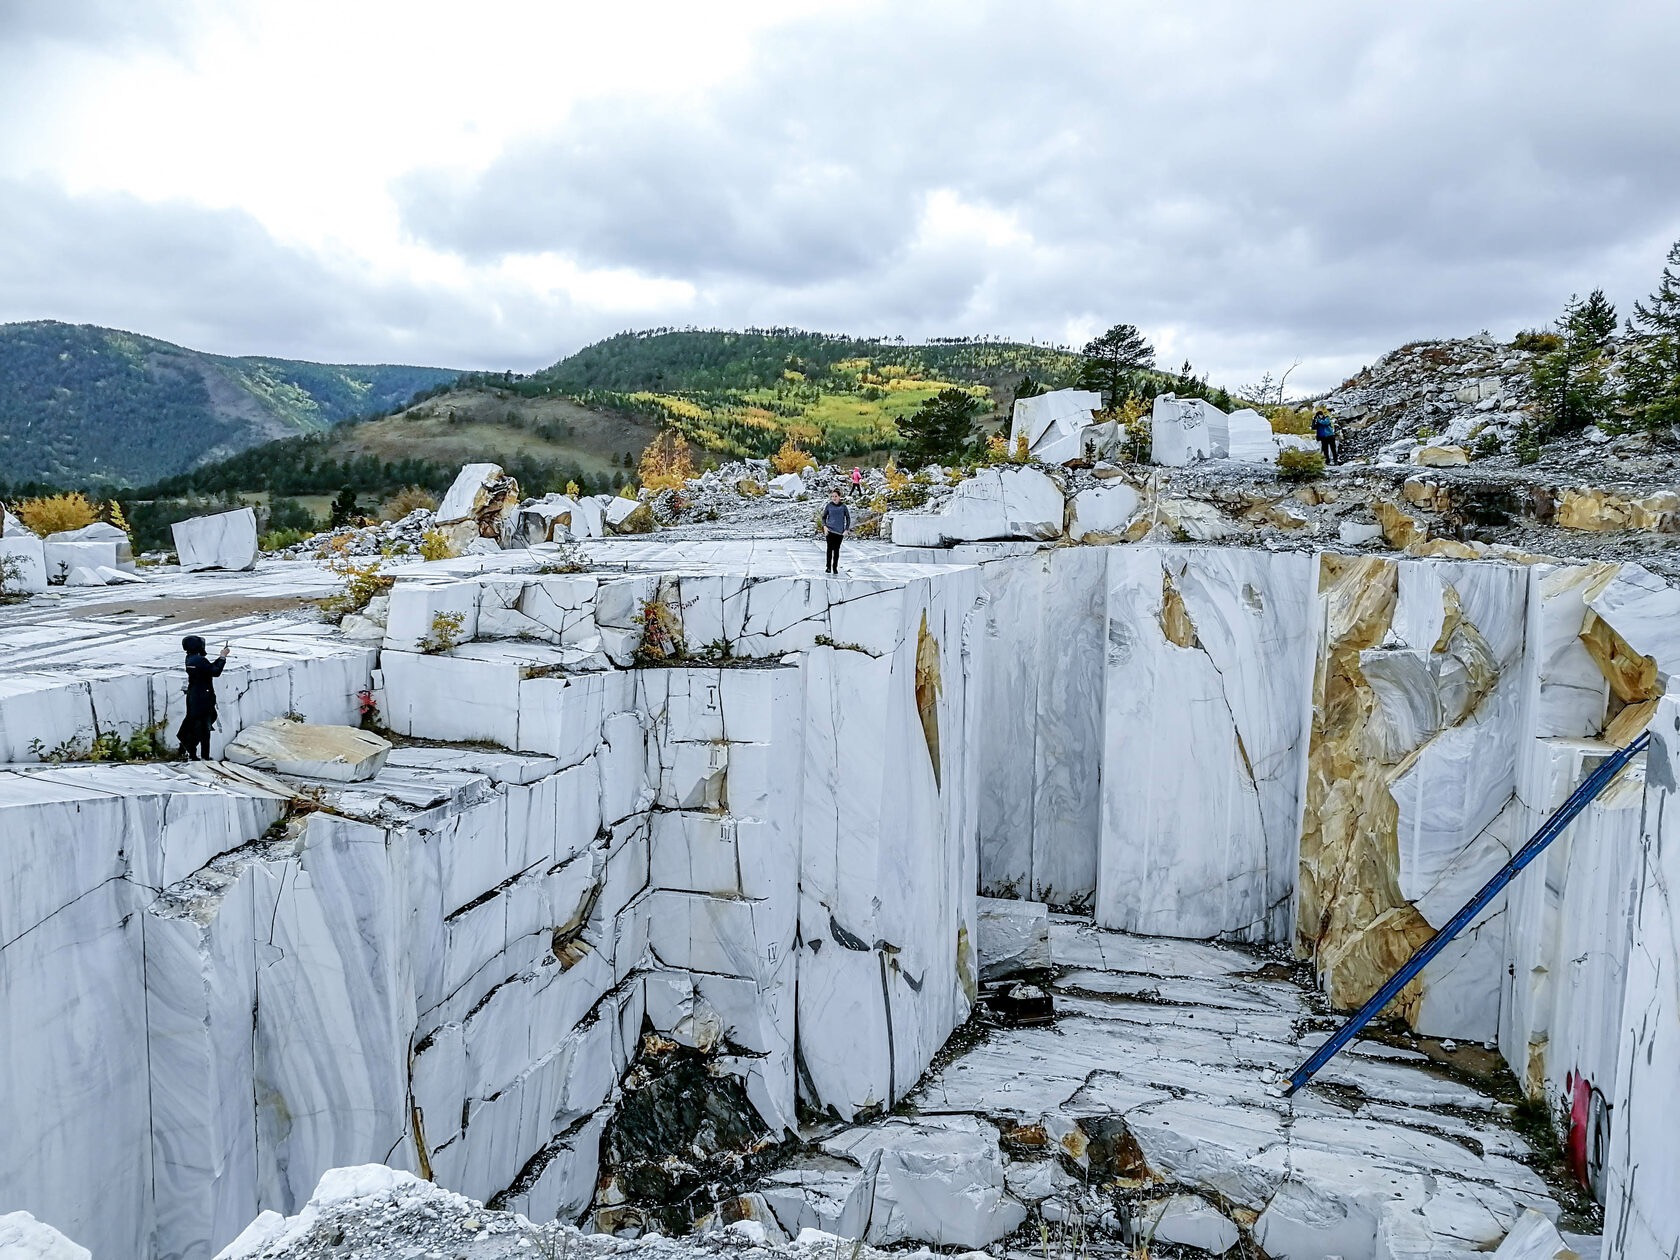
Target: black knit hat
192 645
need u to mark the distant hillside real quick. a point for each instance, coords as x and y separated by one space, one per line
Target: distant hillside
742 393
587 418
697 361
84 404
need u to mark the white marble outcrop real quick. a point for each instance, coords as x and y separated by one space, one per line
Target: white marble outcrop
469 493
22 1237
1101 511
994 503
226 540
759 832
66 689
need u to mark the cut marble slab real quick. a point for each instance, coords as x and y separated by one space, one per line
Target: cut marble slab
344 754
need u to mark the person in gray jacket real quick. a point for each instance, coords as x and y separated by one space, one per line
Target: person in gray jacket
836 519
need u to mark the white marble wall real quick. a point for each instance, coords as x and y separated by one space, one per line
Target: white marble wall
1041 744
1642 1211
886 833
1205 743
87 1112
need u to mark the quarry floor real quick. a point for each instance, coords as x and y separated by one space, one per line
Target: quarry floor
1147 1119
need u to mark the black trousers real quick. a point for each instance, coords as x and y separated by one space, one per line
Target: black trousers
195 734
833 565
1328 446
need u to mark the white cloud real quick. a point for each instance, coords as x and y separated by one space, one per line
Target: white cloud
1250 184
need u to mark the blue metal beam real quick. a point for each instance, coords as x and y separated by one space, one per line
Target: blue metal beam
1553 827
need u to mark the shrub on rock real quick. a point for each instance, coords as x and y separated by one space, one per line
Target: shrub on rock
1298 465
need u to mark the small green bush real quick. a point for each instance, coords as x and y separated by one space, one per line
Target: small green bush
361 583
1536 341
1287 419
280 539
1297 465
445 633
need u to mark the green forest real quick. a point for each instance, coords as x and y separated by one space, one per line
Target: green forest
585 419
82 405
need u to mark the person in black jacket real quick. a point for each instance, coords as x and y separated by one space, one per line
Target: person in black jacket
202 673
836 519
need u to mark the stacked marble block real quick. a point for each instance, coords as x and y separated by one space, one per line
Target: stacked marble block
857 772
121 688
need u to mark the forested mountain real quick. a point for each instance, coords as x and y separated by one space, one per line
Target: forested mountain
691 360
81 404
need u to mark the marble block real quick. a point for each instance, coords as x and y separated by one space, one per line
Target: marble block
417 603
1250 437
101 531
1534 1237
1186 429
1011 936
227 540
343 754
1053 423
82 575
64 557
936 1178
617 509
29 555
787 486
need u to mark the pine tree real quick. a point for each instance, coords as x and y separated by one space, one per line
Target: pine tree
344 507
1113 359
1651 376
1571 383
941 428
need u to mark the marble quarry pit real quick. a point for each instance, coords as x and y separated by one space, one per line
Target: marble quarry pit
700 813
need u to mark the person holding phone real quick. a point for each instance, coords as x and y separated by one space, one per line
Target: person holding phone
202 673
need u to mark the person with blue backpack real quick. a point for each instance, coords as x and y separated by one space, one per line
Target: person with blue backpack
1325 429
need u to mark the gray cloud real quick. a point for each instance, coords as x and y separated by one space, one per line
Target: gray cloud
216 280
1251 183
1258 178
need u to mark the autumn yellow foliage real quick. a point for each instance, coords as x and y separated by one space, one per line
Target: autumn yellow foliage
115 515
791 457
666 463
54 513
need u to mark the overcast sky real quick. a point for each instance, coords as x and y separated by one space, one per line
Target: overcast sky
495 184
